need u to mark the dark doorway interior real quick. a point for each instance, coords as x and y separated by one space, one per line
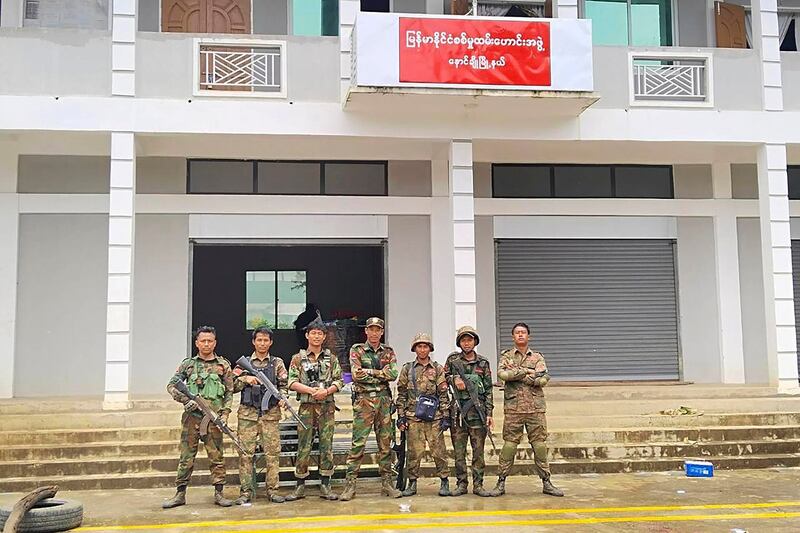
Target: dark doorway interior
344 281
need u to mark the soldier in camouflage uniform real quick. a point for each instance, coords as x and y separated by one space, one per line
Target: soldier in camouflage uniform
525 374
315 374
209 376
467 425
374 366
423 376
253 423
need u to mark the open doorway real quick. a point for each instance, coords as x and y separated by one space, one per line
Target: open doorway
236 287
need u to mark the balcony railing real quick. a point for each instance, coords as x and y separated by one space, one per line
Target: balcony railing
666 79
240 68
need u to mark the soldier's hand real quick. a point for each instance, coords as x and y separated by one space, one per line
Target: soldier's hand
190 406
360 373
224 418
251 380
402 423
320 394
460 385
490 423
282 404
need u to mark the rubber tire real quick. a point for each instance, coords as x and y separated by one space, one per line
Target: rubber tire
54 515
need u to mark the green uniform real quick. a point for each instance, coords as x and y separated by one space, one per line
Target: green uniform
254 424
315 371
468 426
372 408
430 381
213 381
524 407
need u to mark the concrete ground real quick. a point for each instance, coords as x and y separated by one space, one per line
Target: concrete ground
750 500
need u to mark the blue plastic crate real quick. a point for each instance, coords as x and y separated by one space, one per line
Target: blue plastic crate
698 469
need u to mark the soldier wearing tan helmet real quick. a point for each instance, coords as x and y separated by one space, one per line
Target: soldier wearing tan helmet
423 410
467 424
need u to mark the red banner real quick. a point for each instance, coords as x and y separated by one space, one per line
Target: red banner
474 51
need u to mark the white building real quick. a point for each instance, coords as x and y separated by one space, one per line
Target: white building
169 164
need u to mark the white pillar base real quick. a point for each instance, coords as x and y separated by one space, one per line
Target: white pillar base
117 401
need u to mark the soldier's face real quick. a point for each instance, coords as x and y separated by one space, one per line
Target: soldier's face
374 334
467 343
422 350
262 343
315 338
520 335
205 343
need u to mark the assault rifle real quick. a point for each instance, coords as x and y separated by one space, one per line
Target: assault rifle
272 390
399 448
474 401
211 417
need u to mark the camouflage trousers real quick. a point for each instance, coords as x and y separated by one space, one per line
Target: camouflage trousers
318 418
477 438
249 432
535 425
190 439
417 435
371 412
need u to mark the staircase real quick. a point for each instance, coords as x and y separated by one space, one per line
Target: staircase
597 429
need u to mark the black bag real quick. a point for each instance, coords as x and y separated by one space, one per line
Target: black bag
427 405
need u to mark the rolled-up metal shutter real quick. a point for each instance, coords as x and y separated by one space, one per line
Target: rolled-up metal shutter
796 283
598 309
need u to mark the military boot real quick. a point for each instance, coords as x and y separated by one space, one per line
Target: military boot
274 497
299 491
349 491
388 488
478 489
220 498
411 490
242 499
461 488
500 488
549 488
177 500
444 487
325 491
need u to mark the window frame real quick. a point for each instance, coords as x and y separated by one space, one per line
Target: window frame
612 168
674 27
274 325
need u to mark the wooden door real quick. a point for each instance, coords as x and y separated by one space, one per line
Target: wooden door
188 16
206 16
729 22
460 7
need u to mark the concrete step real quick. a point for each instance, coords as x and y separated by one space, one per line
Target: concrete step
575 422
654 407
557 391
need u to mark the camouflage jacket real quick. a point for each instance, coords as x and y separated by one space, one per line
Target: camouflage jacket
480 367
247 412
380 366
523 390
430 381
212 380
325 368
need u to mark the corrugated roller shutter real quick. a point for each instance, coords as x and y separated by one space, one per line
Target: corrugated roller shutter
796 283
599 309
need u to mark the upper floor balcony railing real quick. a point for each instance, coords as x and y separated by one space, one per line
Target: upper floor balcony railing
240 68
665 78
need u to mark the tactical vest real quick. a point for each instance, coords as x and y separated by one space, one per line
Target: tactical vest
253 394
207 384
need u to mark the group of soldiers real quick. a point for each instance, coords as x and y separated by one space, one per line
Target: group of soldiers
431 399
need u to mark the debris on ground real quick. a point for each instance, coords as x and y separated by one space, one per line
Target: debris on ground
682 411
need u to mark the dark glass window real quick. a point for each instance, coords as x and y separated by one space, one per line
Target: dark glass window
221 177
643 182
581 181
287 177
365 179
794 182
521 181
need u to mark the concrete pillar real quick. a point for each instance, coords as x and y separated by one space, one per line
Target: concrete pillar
726 255
463 205
123 48
120 270
442 253
11 14
776 257
347 19
767 41
9 238
565 9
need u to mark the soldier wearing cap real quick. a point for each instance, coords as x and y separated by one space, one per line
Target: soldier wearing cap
467 423
423 410
374 366
525 374
315 375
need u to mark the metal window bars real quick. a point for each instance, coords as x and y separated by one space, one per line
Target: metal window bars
670 79
243 69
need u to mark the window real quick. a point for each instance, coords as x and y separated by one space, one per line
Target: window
794 182
347 178
315 17
582 181
274 298
630 22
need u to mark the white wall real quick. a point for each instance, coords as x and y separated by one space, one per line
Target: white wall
160 300
751 287
697 301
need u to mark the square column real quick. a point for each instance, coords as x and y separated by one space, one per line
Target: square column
123 48
565 9
776 257
442 262
9 244
347 21
726 257
463 205
766 39
120 270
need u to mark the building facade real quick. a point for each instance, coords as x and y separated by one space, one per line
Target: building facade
169 164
